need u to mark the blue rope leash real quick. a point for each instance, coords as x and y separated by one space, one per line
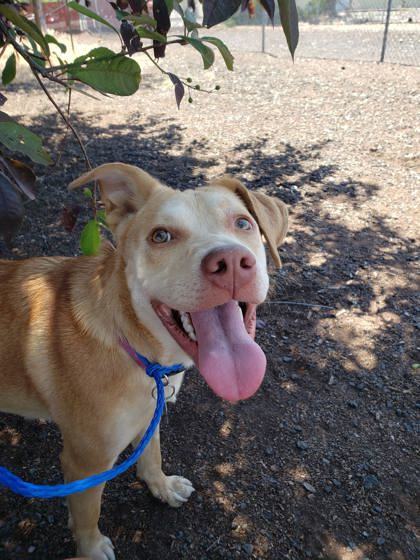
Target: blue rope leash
30 490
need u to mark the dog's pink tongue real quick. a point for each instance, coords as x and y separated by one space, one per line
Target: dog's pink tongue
228 358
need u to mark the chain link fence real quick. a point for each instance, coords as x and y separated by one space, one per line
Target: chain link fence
366 30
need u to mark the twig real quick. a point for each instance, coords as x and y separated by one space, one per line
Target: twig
213 544
63 116
186 84
60 150
304 304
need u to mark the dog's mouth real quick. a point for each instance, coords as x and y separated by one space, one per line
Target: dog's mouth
221 342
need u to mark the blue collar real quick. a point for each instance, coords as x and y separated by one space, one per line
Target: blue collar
151 368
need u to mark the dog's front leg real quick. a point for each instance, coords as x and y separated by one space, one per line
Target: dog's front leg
85 507
174 490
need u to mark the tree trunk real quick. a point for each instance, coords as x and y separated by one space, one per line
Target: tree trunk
39 14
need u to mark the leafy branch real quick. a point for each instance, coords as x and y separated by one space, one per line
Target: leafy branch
106 72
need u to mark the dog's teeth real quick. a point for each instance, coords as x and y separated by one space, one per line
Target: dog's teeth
188 327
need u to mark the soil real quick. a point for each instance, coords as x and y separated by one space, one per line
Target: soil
322 462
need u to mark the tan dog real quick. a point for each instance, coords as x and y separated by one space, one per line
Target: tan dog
171 287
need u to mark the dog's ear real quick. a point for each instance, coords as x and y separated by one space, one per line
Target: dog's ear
124 189
269 212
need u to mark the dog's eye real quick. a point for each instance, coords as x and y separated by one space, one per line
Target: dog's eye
243 223
161 236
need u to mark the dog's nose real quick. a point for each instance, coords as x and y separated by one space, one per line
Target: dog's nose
229 267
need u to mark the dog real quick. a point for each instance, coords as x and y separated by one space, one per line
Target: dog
181 286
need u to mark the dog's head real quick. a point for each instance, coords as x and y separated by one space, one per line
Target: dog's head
196 264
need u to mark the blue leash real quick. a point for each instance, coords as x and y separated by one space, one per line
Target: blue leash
30 490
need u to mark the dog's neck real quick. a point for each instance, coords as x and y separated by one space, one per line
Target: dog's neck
107 313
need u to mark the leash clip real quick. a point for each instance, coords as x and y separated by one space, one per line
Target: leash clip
166 384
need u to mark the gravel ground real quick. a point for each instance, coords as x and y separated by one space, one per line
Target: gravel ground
342 41
321 463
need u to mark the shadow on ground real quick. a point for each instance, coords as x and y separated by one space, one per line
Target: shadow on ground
320 464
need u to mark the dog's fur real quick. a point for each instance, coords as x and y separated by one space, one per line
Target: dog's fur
61 319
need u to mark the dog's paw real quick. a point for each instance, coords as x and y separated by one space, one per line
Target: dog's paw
100 549
173 490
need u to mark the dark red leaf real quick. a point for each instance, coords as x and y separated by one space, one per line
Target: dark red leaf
179 88
137 6
161 15
122 4
69 217
22 175
217 11
268 6
11 209
130 37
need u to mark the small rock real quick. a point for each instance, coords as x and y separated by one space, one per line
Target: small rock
287 359
309 487
260 324
247 548
376 509
352 404
31 549
269 451
370 481
328 488
302 445
336 483
380 541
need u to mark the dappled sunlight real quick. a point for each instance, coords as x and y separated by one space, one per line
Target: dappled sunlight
298 474
10 436
225 469
338 551
223 497
289 386
226 429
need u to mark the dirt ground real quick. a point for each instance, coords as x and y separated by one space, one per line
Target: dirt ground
322 462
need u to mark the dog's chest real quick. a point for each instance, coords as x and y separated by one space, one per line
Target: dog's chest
132 412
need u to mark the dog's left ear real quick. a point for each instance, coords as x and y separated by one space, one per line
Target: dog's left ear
269 212
124 189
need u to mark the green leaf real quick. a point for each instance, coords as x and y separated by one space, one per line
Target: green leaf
107 72
101 217
90 239
25 25
224 51
206 52
86 12
151 34
141 20
290 23
53 41
9 70
18 138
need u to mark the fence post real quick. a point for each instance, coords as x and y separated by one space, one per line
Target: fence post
263 34
388 13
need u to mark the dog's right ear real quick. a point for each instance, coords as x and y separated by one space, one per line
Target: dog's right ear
124 189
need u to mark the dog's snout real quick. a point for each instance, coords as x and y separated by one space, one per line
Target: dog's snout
229 267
